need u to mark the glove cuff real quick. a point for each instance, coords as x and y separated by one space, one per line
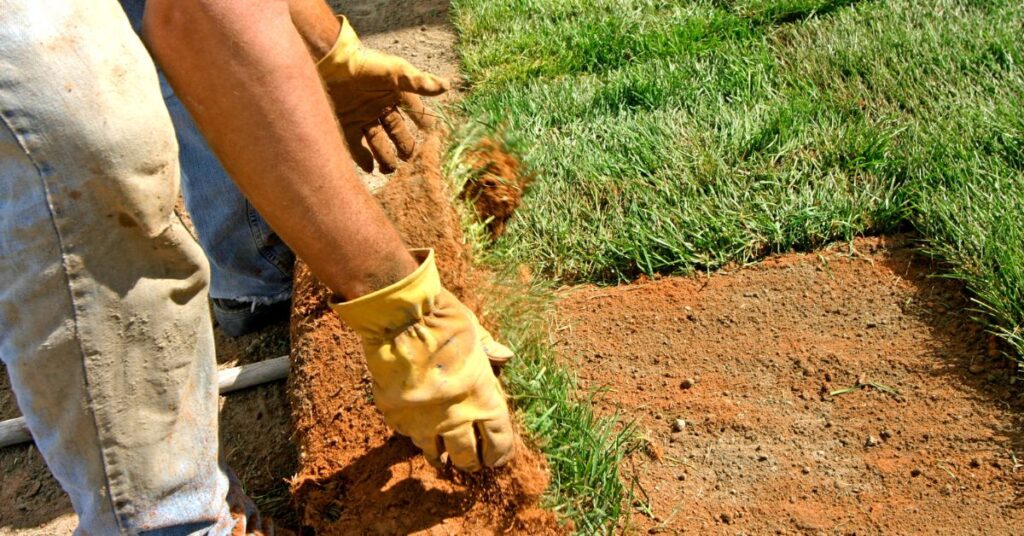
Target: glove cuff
395 307
337 64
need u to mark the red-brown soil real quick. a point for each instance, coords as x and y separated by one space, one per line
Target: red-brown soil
355 476
496 183
747 360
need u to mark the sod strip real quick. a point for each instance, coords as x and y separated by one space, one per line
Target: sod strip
584 451
673 135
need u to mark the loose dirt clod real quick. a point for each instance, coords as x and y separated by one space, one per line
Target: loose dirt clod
355 476
496 184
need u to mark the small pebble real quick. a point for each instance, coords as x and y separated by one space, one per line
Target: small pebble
687 383
886 434
975 463
762 458
678 425
805 470
915 472
871 442
726 518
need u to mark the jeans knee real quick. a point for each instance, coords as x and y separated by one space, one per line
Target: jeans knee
132 170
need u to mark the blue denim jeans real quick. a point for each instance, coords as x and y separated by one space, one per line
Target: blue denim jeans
104 321
248 261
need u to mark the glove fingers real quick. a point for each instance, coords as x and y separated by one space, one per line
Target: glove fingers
416 81
461 445
360 154
498 354
412 105
431 447
394 125
498 442
380 146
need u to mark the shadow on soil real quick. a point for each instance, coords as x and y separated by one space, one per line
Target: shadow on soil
372 487
972 358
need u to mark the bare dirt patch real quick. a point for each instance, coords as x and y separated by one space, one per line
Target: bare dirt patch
729 378
357 477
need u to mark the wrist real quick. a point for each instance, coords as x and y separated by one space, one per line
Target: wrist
316 24
384 274
336 62
324 41
383 305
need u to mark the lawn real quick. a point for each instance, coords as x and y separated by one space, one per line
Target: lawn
668 136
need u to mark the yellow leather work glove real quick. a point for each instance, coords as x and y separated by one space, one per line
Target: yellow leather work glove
367 88
432 380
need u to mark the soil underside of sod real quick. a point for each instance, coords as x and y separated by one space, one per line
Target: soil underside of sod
355 476
758 365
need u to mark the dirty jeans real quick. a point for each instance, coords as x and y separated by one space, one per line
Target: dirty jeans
104 321
248 261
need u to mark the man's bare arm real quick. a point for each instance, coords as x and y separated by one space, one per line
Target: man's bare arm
242 70
316 24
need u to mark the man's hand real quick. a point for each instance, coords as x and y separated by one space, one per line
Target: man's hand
368 88
432 379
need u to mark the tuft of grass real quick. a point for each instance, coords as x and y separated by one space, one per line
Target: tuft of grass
672 135
584 450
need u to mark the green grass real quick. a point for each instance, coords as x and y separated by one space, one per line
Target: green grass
671 135
584 451
668 136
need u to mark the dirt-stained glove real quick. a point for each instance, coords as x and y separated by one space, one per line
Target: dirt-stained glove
367 88
432 380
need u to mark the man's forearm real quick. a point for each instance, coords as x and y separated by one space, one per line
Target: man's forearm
317 25
243 72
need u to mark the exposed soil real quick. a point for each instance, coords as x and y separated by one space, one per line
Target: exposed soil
419 31
31 501
355 476
729 378
496 184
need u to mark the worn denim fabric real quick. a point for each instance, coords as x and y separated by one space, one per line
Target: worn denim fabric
104 321
248 261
